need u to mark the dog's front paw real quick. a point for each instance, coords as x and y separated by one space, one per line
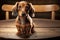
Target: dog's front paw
32 29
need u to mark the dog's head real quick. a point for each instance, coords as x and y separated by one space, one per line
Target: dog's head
23 8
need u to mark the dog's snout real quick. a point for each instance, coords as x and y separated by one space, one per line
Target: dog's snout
23 14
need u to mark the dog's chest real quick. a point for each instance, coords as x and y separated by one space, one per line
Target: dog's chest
23 20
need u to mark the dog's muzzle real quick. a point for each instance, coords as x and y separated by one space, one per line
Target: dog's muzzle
24 14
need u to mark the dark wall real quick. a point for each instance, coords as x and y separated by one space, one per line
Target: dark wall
34 2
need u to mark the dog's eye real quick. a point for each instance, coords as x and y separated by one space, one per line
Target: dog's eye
19 6
27 7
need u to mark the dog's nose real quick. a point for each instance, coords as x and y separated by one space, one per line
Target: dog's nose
23 14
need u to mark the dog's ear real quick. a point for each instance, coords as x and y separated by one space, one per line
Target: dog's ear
31 10
15 9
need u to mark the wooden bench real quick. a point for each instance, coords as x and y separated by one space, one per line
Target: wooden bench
38 8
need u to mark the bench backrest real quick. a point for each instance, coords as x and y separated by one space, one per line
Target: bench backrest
38 8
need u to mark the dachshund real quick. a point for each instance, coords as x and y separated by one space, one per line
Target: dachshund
24 11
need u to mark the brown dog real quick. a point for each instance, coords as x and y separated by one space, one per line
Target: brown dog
24 11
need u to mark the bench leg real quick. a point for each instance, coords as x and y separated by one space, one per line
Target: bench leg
53 15
7 15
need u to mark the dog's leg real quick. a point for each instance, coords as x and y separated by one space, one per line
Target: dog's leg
31 23
17 25
30 19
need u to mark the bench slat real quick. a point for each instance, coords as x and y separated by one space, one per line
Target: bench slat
38 8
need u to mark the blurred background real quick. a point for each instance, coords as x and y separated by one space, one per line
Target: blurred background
46 15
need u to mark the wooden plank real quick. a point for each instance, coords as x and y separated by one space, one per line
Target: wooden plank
7 7
38 23
45 8
39 33
38 8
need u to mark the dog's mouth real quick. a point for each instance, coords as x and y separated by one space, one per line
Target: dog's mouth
23 14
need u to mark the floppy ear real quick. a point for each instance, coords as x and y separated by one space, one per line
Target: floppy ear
15 9
31 10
